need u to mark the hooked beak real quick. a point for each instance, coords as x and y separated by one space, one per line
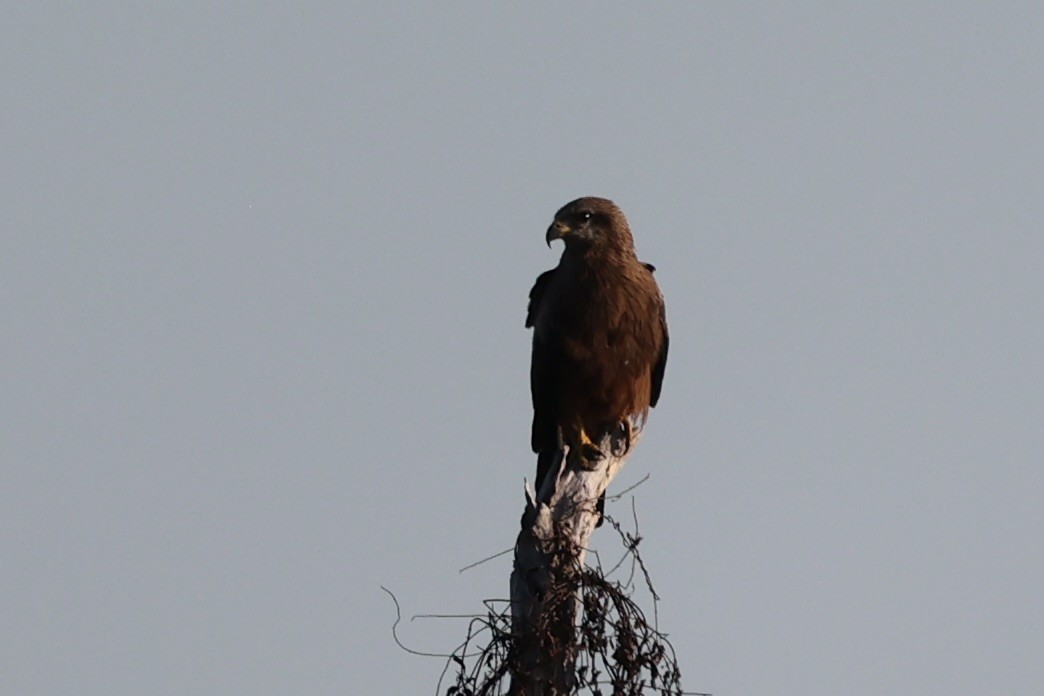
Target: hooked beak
557 230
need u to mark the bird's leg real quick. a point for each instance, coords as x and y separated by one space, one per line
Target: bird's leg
628 434
587 450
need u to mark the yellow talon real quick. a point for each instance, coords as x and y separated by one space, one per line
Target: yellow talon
587 450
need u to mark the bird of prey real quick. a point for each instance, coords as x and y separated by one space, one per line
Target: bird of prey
599 337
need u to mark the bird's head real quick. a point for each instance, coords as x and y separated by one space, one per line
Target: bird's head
588 222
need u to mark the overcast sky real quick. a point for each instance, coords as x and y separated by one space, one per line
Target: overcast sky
264 271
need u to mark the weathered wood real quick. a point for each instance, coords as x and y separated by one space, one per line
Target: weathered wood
550 550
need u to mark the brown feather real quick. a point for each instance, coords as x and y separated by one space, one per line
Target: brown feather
600 333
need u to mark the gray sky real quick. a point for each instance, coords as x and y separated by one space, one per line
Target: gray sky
264 271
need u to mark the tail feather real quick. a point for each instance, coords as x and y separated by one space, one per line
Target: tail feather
545 467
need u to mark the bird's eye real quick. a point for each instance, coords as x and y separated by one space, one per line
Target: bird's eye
584 216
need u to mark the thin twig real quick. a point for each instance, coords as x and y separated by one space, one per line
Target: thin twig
395 635
627 490
486 559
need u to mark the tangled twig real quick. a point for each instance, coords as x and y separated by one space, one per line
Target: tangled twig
616 646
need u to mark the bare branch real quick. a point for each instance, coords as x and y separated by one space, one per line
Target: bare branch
615 646
486 559
395 635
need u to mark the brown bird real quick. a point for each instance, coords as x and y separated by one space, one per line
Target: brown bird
599 336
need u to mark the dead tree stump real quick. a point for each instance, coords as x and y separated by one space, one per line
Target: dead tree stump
549 557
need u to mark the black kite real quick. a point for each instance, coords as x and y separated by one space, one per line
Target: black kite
599 336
